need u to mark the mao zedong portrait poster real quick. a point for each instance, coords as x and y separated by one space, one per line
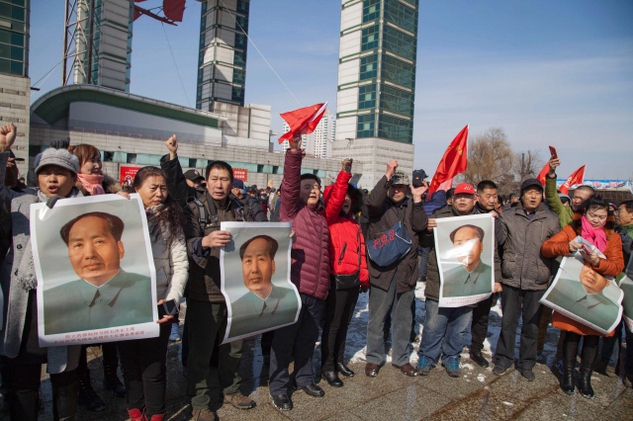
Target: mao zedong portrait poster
584 295
95 271
255 272
465 255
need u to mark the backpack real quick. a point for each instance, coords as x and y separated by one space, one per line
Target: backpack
205 220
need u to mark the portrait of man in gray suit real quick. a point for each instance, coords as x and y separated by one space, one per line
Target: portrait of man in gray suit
105 295
473 276
265 306
587 299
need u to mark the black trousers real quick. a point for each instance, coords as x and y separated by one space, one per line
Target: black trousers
23 383
144 371
296 342
479 324
110 359
338 314
519 303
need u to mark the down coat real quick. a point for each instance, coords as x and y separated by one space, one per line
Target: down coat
347 244
310 270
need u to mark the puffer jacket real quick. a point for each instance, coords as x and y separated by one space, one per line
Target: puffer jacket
310 269
558 245
427 239
171 264
523 265
383 214
347 244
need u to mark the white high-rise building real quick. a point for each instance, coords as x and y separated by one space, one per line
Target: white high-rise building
376 85
319 142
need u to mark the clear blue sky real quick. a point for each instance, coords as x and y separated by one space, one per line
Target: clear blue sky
548 72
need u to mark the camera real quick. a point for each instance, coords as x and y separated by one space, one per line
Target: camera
418 177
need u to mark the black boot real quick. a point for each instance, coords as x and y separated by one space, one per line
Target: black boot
65 401
23 404
111 381
87 397
567 382
589 352
584 382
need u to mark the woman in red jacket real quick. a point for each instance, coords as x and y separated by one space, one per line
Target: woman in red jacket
594 223
347 262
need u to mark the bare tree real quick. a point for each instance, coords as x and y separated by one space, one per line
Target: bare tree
527 165
490 157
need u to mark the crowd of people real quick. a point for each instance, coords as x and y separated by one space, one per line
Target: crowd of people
345 242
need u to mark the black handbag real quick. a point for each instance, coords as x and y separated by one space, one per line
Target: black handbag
352 280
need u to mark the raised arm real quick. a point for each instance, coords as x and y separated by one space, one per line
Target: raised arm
336 199
376 199
291 183
176 181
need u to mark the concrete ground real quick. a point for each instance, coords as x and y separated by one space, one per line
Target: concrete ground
478 394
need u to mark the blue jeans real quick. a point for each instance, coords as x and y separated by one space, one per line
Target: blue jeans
382 303
444 328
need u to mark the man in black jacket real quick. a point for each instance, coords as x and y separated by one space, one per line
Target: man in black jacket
392 286
206 307
249 202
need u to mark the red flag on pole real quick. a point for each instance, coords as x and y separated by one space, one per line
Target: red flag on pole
302 121
577 177
454 161
543 174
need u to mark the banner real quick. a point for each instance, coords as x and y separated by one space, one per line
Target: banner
464 246
584 295
96 280
127 174
255 274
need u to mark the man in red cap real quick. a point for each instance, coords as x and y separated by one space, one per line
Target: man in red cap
445 328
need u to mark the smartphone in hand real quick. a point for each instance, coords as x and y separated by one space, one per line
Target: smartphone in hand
552 151
168 308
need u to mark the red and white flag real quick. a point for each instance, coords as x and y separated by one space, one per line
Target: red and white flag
454 161
577 177
302 121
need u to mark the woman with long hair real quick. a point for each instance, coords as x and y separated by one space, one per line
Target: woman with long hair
349 272
594 223
92 181
144 360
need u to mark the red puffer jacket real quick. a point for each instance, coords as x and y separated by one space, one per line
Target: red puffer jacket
310 269
347 244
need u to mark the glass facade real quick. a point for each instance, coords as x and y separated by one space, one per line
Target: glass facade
14 37
386 81
222 58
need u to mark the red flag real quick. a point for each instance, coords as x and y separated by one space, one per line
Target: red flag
174 9
577 177
542 176
454 161
302 121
